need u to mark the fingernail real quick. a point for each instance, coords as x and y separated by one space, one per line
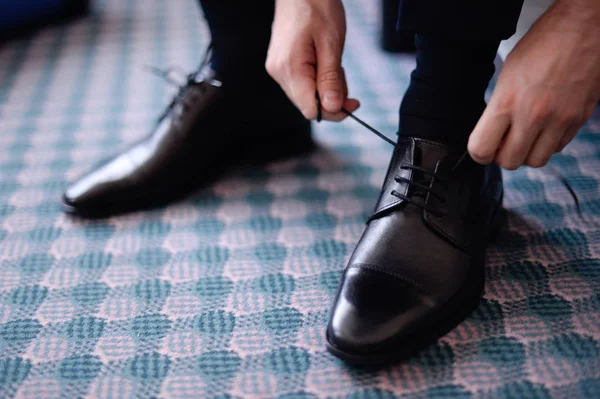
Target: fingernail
331 98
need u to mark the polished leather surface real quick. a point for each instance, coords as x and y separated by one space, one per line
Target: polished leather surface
412 266
210 128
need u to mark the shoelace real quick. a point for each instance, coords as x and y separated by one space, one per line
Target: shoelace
183 85
425 189
433 173
181 97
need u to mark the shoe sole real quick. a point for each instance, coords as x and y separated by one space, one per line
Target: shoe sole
106 211
440 323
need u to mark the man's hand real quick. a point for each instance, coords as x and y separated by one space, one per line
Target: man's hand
305 55
546 90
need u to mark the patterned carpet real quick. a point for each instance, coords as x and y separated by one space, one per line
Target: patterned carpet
226 295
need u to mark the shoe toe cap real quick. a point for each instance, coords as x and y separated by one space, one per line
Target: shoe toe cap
80 194
100 186
374 310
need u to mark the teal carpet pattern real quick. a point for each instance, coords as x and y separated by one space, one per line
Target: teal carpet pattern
226 294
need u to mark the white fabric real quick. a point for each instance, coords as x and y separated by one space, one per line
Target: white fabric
532 9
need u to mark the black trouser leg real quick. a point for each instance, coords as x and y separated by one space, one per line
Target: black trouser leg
456 47
240 31
394 40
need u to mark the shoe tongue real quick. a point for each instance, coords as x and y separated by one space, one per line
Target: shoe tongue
426 155
423 179
422 153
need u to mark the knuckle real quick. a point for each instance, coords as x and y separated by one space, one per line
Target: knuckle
539 113
273 67
587 112
567 120
329 76
507 163
570 117
332 40
537 162
503 104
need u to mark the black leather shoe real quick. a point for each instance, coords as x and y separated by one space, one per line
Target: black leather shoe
209 127
418 269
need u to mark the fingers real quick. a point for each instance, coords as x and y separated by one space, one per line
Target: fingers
518 142
305 56
485 139
296 80
301 90
350 104
545 146
515 148
566 139
299 82
330 75
533 148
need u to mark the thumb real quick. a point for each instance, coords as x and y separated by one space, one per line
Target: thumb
330 80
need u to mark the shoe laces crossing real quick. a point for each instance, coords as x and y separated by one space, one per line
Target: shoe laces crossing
434 174
418 188
183 82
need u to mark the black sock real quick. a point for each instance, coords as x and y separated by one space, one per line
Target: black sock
240 32
445 97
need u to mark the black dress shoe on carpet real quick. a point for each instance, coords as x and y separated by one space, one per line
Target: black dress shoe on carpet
209 127
418 269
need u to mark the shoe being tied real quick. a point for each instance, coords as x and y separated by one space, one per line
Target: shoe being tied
418 269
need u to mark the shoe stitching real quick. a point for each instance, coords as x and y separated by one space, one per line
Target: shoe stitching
432 143
381 269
